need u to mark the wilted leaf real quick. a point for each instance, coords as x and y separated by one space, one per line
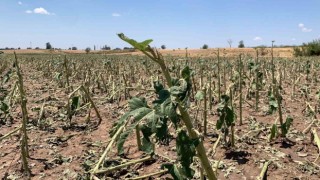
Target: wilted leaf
173 170
140 46
186 150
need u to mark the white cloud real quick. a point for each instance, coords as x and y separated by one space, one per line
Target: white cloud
20 3
116 14
40 10
293 39
306 29
257 38
303 28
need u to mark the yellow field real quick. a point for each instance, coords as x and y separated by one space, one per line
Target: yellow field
228 52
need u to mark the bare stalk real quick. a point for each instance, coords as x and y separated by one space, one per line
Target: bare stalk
257 83
240 89
205 111
24 137
65 64
108 170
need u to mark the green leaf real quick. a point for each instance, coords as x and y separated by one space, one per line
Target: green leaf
180 90
138 115
147 146
4 107
318 95
225 99
162 96
199 96
158 86
273 104
140 46
7 76
286 126
57 76
274 132
226 113
230 118
186 73
148 129
75 103
169 109
186 150
137 102
219 123
173 170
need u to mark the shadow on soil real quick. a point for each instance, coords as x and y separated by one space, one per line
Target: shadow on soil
242 157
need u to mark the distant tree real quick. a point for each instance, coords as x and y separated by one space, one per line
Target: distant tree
308 49
106 47
29 48
88 50
163 47
48 45
130 49
241 44
230 42
205 46
74 48
19 48
37 48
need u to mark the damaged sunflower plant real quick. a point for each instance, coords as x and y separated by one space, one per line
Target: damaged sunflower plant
152 119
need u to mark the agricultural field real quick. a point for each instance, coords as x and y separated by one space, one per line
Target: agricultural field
220 115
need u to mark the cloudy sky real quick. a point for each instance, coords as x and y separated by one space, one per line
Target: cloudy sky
175 23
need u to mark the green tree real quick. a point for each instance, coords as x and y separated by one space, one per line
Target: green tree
241 44
163 47
205 46
308 49
48 45
88 50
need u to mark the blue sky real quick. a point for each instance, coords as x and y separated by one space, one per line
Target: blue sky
175 23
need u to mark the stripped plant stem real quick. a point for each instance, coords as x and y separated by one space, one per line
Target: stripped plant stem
24 137
264 170
65 64
149 175
109 147
10 133
240 90
316 138
82 88
108 170
205 111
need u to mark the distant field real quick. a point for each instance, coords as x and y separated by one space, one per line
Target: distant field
228 52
